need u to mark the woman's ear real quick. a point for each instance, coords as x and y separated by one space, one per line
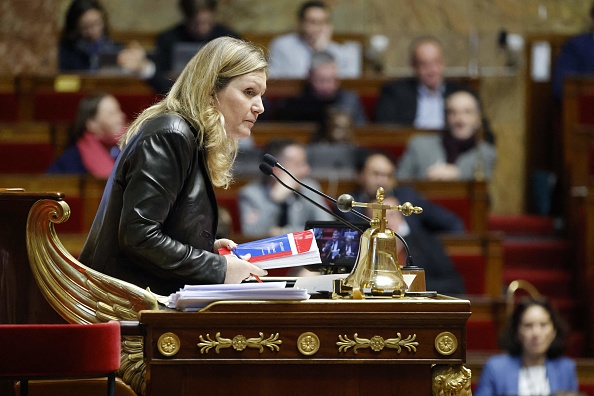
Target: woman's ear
214 99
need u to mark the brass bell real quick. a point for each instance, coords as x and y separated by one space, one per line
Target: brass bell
376 272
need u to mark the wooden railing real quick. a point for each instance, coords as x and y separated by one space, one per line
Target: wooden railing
577 177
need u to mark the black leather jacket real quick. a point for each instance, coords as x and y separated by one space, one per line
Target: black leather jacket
156 223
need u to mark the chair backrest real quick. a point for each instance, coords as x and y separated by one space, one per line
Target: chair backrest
59 350
22 301
512 290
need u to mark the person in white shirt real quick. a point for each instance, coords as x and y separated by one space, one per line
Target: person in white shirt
291 53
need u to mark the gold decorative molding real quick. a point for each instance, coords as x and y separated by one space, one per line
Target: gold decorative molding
308 343
446 343
239 342
168 344
377 343
132 367
80 294
453 380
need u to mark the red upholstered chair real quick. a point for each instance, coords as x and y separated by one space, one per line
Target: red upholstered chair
60 351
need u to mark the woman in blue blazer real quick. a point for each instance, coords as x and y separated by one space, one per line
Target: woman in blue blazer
534 364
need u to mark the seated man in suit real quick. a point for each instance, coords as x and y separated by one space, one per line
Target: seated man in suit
267 208
351 247
418 101
321 93
334 248
376 170
290 54
198 27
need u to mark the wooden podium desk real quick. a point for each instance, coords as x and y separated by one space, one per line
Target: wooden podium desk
322 347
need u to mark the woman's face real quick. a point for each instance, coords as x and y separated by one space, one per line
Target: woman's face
240 102
91 25
109 122
536 331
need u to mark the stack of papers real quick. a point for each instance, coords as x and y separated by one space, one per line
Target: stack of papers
289 250
195 297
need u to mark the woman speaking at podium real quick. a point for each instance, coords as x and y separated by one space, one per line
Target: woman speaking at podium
156 223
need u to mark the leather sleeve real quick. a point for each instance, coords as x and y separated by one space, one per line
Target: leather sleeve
155 174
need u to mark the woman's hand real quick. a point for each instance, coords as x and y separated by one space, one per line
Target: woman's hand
224 243
239 270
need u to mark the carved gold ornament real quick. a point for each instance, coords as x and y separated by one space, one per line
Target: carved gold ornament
239 343
308 343
377 343
80 294
168 344
446 343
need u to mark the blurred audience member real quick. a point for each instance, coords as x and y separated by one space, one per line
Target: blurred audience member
334 248
376 170
418 101
268 208
291 54
321 93
336 128
576 58
458 153
85 44
93 138
198 27
534 363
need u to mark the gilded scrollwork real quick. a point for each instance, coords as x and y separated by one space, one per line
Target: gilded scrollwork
452 380
239 342
80 294
377 343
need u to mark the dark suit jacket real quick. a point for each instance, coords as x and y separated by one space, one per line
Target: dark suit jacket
397 103
328 249
354 249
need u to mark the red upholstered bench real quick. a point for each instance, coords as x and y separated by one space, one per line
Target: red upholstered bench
472 270
26 147
60 351
9 110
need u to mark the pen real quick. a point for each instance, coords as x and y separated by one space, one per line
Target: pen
234 251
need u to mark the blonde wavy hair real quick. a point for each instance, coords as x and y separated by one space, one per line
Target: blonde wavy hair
209 71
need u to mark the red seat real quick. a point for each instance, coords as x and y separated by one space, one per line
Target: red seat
472 271
21 157
460 206
60 351
61 107
9 111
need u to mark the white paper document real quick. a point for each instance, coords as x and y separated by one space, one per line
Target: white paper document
195 297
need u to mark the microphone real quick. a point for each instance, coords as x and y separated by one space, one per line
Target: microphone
267 170
343 203
270 160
